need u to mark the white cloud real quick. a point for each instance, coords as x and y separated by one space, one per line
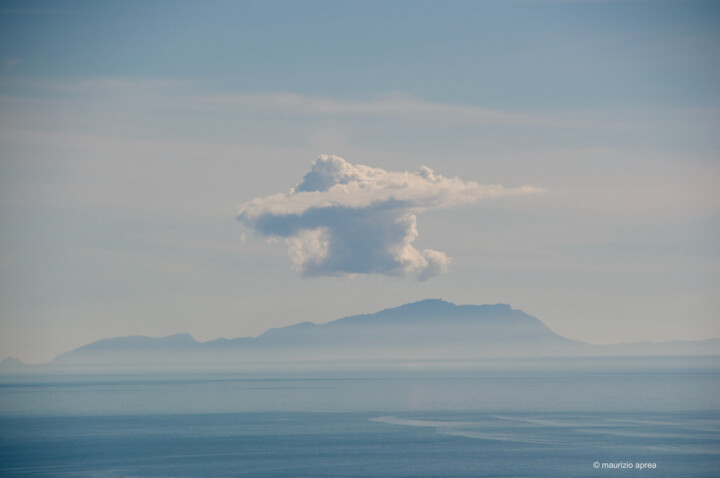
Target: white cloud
348 218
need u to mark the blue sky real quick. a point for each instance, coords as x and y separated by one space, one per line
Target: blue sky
510 55
133 131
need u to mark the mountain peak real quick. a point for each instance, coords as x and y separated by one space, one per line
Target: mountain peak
437 308
430 301
425 304
440 304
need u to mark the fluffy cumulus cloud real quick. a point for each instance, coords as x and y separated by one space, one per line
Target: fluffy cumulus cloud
348 218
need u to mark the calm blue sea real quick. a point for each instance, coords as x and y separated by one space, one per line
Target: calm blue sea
501 419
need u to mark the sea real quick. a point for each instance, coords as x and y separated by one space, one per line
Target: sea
600 417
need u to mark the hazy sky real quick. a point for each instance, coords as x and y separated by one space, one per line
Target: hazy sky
133 134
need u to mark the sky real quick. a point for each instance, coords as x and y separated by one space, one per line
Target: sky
221 168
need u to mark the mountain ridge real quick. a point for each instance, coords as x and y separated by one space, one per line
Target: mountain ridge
430 329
